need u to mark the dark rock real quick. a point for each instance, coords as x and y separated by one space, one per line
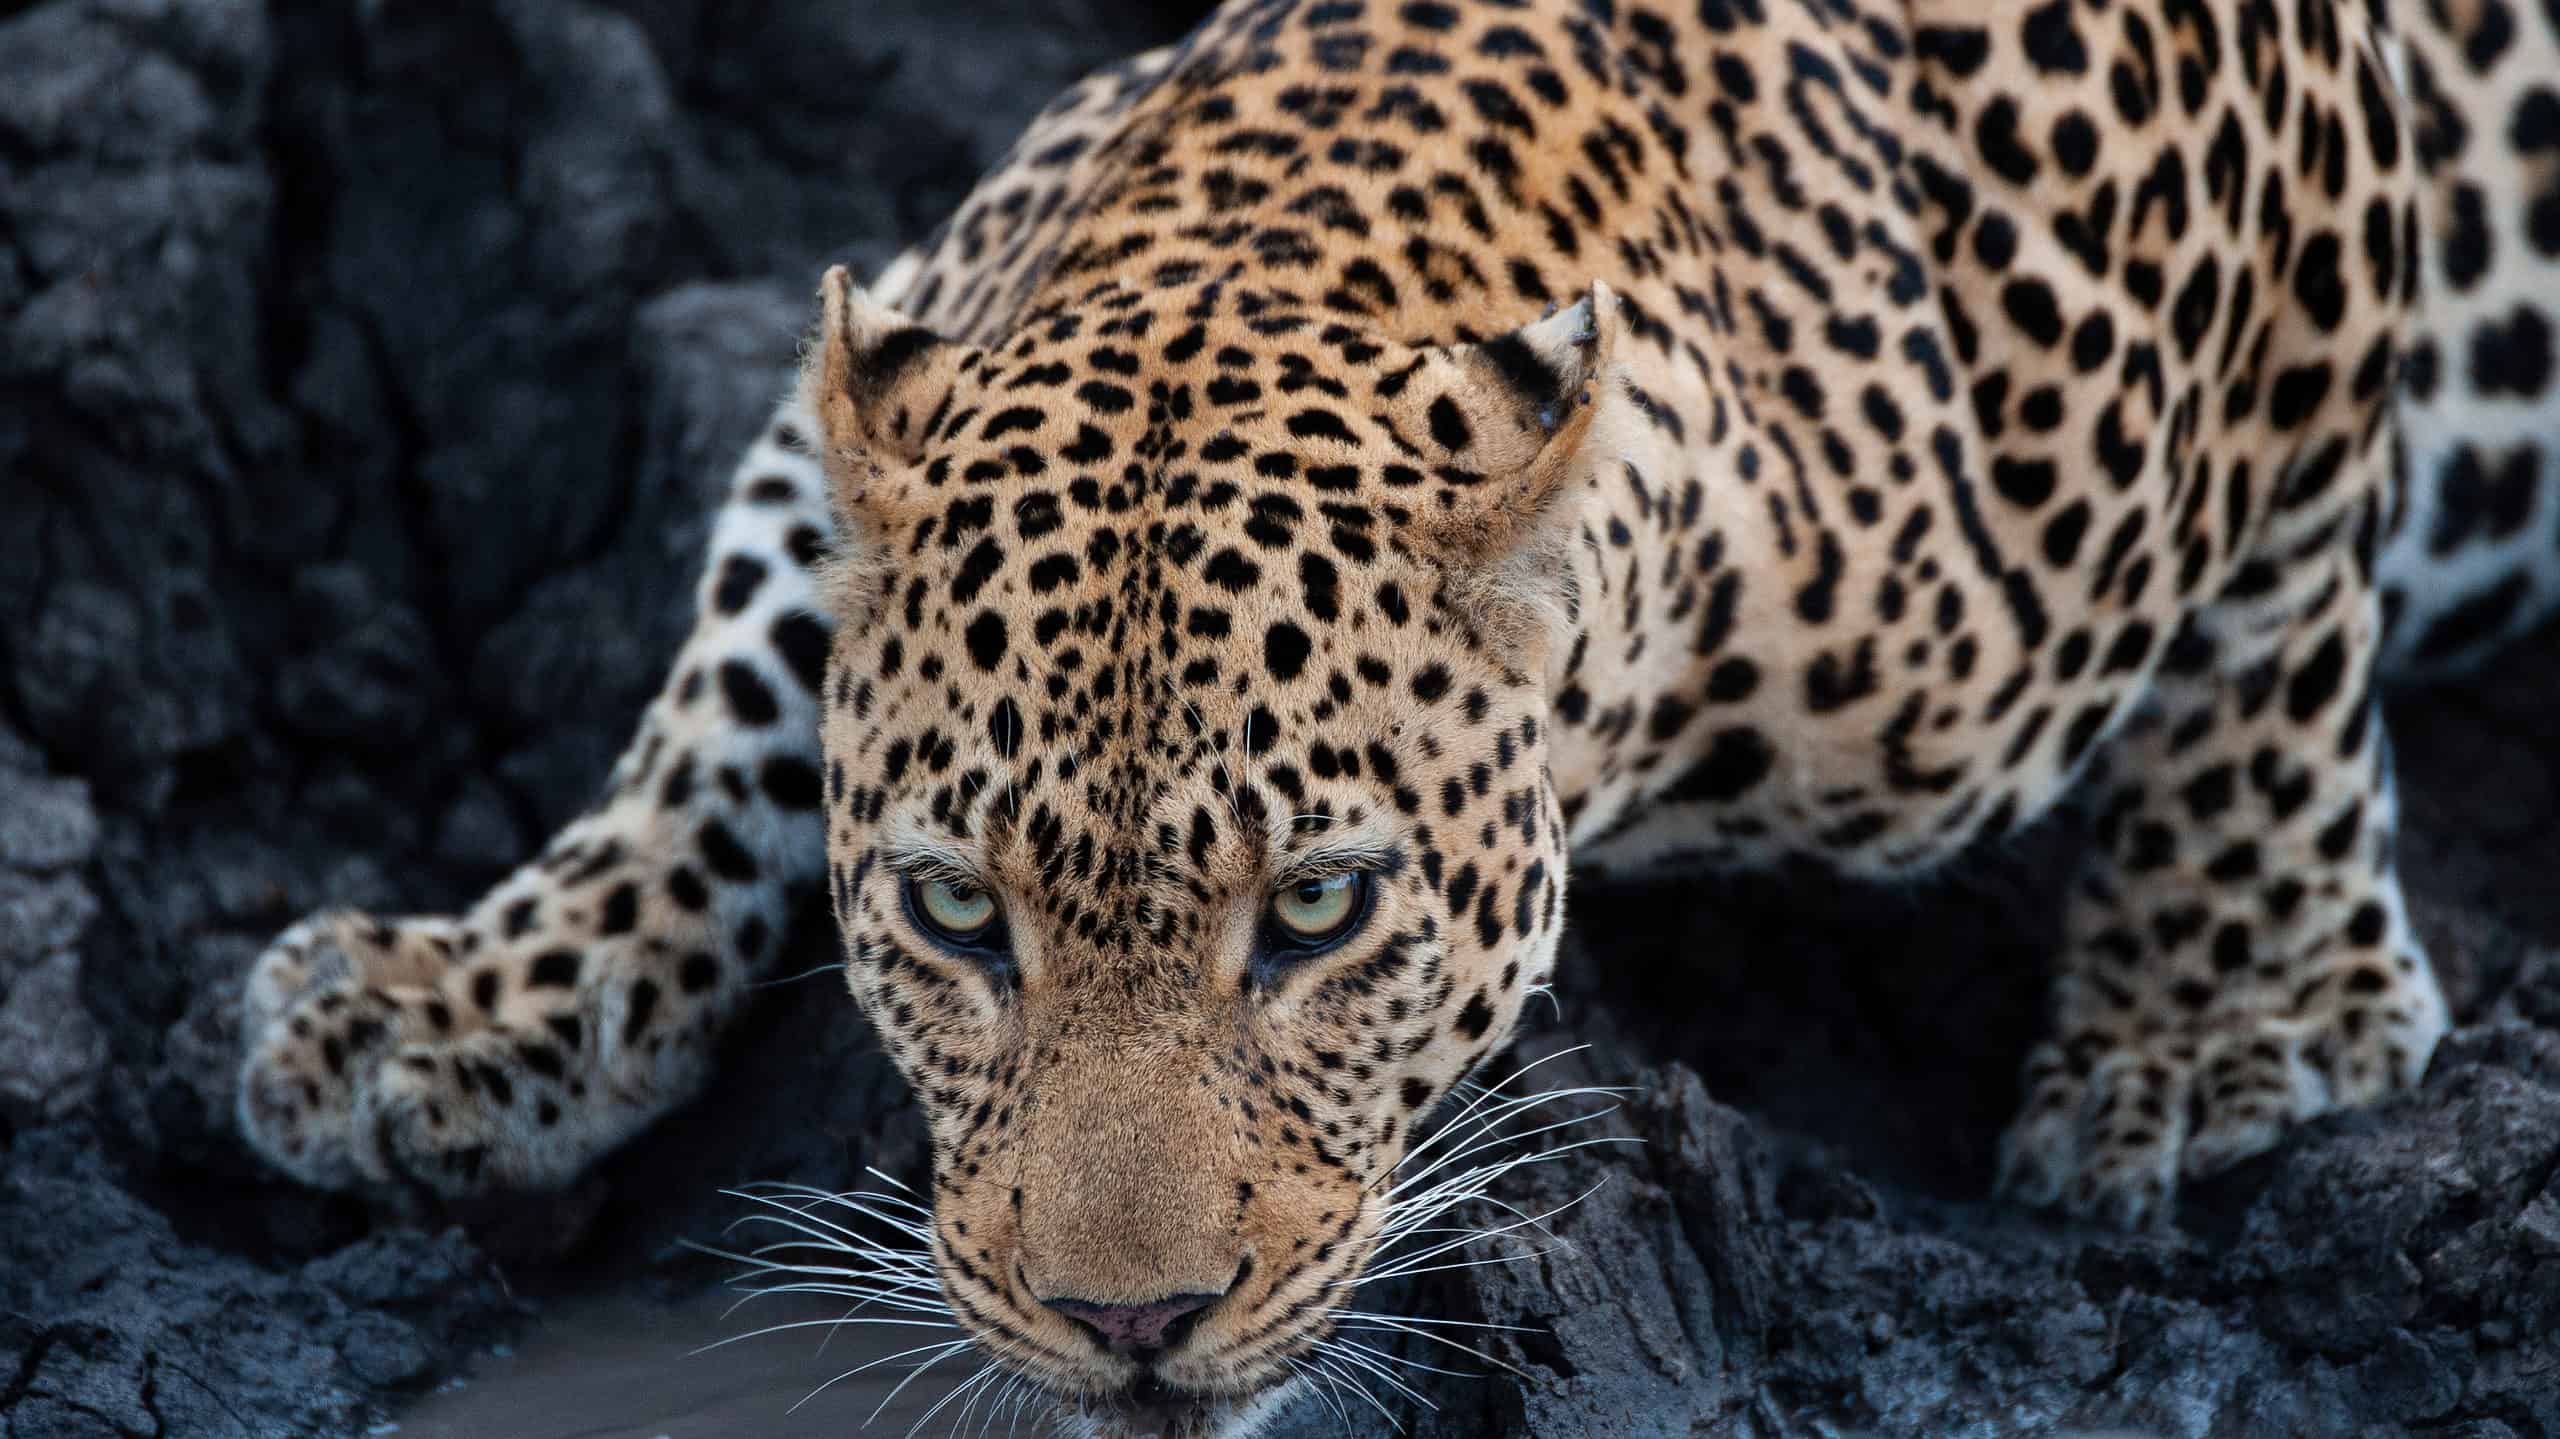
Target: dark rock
50 1051
358 429
40 914
45 823
122 1327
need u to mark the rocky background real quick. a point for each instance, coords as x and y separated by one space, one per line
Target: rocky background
365 372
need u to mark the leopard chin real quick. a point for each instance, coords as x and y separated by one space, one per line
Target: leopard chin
1151 1410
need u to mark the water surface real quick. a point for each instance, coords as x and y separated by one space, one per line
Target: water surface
626 1367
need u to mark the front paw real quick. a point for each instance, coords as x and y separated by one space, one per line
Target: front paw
488 1111
323 1005
2110 1137
2100 1138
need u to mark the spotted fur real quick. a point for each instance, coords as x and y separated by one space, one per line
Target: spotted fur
1452 443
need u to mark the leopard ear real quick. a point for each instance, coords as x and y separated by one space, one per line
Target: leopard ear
1510 428
878 384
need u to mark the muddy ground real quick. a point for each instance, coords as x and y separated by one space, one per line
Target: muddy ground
365 371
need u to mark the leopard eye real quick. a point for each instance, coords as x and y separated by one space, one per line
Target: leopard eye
1317 914
955 913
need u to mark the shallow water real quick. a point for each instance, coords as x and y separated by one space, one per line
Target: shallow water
627 1367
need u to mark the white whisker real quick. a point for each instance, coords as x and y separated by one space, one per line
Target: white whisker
914 1372
871 1247
826 1324
970 1386
1325 1364
810 973
1459 1121
1321 1387
1375 1274
1383 1322
1385 1356
1352 1355
941 1351
1363 1317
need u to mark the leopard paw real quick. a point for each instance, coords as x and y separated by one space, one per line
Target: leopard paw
2100 1138
322 1005
2110 1127
458 1117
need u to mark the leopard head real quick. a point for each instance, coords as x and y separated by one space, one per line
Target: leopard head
1190 827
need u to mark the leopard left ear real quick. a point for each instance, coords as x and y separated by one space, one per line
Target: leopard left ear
1510 426
878 383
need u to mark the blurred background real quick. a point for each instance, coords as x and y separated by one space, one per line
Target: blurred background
366 372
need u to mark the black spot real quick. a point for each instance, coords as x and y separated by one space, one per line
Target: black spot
2064 532
2514 357
740 577
2316 683
1732 681
1229 570
1448 426
1320 582
2231 948
986 638
2297 392
802 639
2075 143
1995 133
1320 425
2031 307
2024 483
1284 650
2199 300
2467 238
686 889
1814 601
790 782
644 1002
2316 283
700 972
1476 1018
749 700
727 858
2052 44
553 969
1830 683
1737 759
621 910
1004 727
2366 928
1105 398
1960 51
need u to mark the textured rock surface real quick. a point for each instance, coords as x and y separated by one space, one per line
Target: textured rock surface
356 428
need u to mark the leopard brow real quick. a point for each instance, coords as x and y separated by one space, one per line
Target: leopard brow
1349 854
920 856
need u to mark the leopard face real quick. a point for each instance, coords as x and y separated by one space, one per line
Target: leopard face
1191 831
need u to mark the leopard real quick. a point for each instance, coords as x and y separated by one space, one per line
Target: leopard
1342 475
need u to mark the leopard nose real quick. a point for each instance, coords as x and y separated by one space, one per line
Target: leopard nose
1137 1330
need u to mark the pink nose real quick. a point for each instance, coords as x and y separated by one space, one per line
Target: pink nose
1136 1329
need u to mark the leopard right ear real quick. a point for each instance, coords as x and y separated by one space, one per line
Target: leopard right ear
879 384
